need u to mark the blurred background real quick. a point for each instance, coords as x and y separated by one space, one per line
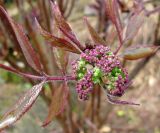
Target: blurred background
95 115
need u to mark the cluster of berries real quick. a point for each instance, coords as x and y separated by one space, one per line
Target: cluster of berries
99 66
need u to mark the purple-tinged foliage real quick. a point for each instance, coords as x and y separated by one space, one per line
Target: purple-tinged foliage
112 11
94 35
138 52
58 103
97 64
64 27
23 42
22 106
55 41
134 24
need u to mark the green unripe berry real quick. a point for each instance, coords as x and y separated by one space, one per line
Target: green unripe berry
96 80
80 75
109 53
82 63
97 72
115 78
114 71
110 86
123 75
119 71
83 69
117 74
112 79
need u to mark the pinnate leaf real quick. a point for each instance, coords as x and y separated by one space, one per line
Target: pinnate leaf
21 107
139 52
134 25
62 58
95 37
63 26
120 102
7 24
113 14
56 41
23 42
59 101
27 49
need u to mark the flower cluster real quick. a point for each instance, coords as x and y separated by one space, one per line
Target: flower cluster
116 81
99 66
85 86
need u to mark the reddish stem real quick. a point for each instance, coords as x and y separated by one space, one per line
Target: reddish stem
117 50
50 78
120 40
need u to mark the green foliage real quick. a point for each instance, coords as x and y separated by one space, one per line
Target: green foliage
6 76
8 1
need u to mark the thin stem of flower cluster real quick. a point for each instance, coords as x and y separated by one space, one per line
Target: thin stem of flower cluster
49 78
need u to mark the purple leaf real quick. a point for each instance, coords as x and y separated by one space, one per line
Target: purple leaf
61 58
112 99
55 41
64 27
22 106
59 101
139 52
27 49
95 37
23 42
134 25
115 101
113 14
9 28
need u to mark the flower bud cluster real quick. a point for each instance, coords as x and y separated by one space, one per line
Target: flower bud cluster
116 80
99 66
85 86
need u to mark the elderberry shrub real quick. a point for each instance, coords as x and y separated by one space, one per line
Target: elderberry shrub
99 66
